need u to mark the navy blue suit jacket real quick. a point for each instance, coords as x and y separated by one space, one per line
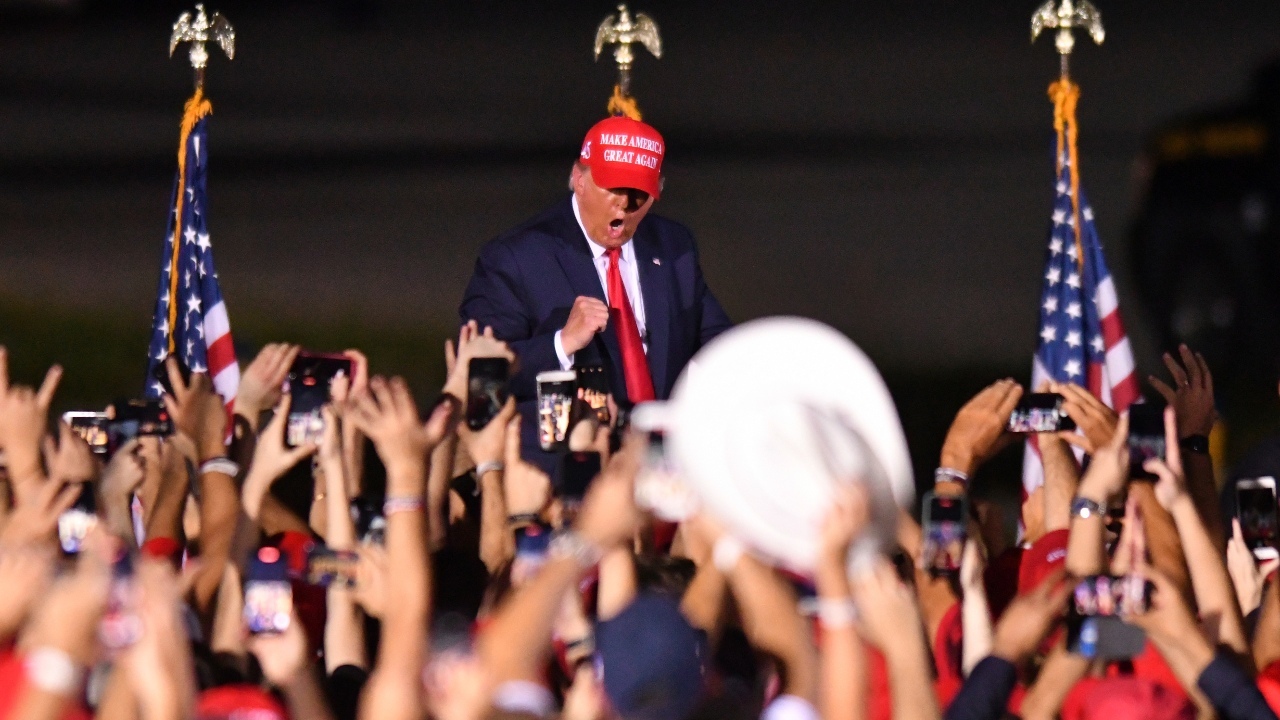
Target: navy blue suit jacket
525 283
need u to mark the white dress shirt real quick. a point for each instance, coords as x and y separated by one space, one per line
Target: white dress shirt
630 280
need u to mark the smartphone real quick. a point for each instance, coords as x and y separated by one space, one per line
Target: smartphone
659 487
1256 510
371 525
1146 438
1040 413
593 388
574 473
1095 628
268 597
487 390
160 373
93 428
310 380
76 521
945 529
137 418
326 566
556 391
120 626
532 543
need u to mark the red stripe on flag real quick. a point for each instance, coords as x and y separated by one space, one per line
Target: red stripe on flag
221 354
1112 330
1124 393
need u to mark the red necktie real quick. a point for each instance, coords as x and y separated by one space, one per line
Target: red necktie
635 367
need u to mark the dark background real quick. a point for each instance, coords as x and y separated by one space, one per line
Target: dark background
882 167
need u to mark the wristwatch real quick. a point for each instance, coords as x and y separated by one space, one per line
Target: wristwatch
1198 444
1084 508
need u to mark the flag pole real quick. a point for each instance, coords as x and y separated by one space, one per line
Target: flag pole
623 30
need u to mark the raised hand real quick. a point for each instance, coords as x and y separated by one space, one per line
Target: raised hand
472 343
488 443
1192 394
388 416
198 412
69 459
261 382
67 617
1095 422
843 523
271 459
283 657
587 317
159 665
35 515
1172 483
371 579
1109 469
1030 617
24 418
609 515
1248 578
886 607
978 431
27 572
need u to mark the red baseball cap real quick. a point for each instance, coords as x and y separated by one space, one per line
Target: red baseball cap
624 153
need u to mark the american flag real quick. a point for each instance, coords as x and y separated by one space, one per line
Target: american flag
1082 339
190 316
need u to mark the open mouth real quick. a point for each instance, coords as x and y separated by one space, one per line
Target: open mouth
615 224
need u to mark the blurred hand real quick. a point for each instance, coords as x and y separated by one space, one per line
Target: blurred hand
371 579
388 416
587 317
844 522
261 383
887 611
24 416
1030 617
585 699
1168 619
973 563
1192 394
1248 578
283 656
609 515
1095 422
1109 469
69 459
488 443
67 616
27 572
979 429
126 469
198 412
524 486
34 517
1172 483
271 459
472 343
159 665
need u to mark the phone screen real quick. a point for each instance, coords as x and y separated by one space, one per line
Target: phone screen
136 418
555 408
1039 413
1095 628
310 379
593 388
268 597
120 626
371 525
326 566
75 523
93 428
487 390
944 533
1256 509
1146 438
576 470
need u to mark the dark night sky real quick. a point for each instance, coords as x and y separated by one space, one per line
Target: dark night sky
884 168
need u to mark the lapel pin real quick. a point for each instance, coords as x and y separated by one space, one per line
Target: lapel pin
656 261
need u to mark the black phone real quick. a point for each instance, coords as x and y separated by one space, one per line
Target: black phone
593 388
574 473
487 390
556 390
92 427
160 373
268 596
310 379
138 418
945 530
78 520
1040 413
1095 625
1256 511
1146 438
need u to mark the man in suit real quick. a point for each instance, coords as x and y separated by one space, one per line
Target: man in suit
597 280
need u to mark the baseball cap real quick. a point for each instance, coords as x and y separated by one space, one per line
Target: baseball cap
1132 698
624 153
229 702
652 659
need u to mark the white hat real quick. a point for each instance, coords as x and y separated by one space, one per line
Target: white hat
773 415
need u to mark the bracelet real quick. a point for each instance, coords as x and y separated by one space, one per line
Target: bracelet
53 671
488 466
1084 508
726 553
402 504
523 520
1197 444
224 465
835 613
946 474
572 546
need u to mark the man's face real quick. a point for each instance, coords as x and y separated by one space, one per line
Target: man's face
609 216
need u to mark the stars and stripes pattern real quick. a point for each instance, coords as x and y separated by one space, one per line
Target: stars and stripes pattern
190 315
1082 339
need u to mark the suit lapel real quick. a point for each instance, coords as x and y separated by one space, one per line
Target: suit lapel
574 256
655 287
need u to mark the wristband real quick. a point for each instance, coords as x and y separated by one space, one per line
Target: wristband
402 504
572 546
224 465
946 474
487 467
53 671
523 520
835 613
1084 508
727 552
1197 444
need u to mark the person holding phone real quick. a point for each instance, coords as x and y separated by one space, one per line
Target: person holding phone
597 280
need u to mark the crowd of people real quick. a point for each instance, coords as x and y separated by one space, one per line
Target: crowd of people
481 591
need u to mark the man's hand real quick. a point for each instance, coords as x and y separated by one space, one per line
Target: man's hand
27 572
1030 616
487 444
472 343
978 432
70 459
1172 483
844 522
24 416
283 657
271 460
1248 578
1095 422
887 611
198 412
1192 400
371 579
609 515
525 488
67 617
388 416
261 383
1109 469
35 516
588 317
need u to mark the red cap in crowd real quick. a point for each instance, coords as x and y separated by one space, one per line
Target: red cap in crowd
624 153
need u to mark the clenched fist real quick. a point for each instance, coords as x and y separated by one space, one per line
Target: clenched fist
588 317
